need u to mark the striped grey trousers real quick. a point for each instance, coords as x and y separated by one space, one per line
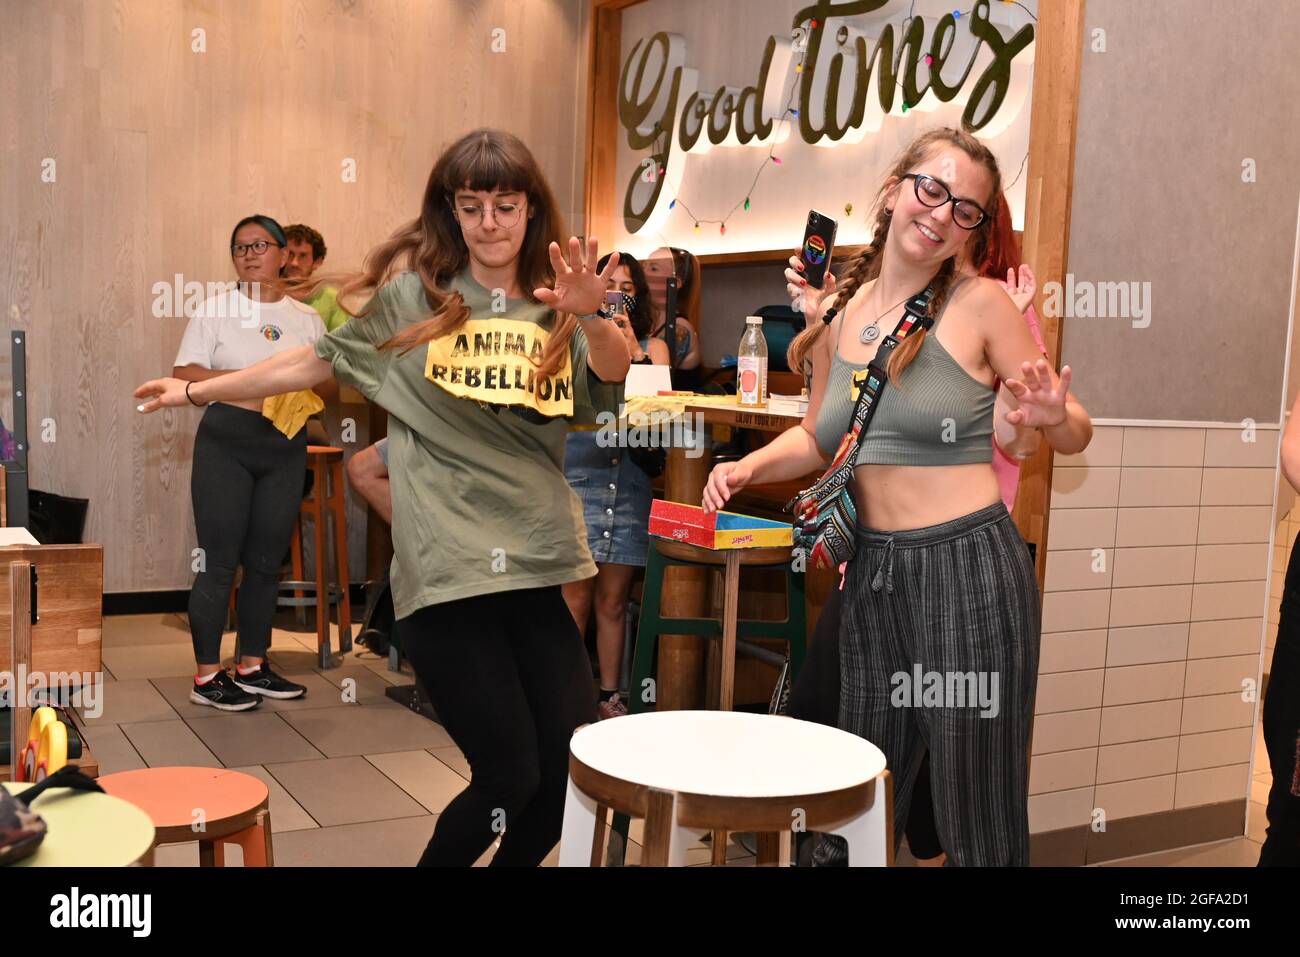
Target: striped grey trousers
939 650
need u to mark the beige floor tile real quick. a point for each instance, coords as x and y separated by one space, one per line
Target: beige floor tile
150 661
252 737
366 686
286 813
112 749
129 702
367 729
344 791
1257 821
380 667
1259 788
452 757
1235 852
395 843
169 744
127 631
420 775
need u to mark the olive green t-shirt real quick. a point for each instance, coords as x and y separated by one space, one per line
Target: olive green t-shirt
480 501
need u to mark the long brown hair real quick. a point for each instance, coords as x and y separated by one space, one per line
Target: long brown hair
866 265
432 244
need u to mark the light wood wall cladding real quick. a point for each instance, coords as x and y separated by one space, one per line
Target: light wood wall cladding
160 150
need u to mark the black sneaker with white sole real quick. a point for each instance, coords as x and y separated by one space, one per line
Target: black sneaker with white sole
222 693
268 684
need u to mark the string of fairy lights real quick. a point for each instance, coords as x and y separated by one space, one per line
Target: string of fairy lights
659 148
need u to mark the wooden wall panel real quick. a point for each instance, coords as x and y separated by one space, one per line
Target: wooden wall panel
160 150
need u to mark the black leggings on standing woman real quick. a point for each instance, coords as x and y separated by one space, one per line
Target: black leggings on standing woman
510 679
1282 729
246 486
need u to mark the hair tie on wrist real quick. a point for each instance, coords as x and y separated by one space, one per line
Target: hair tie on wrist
187 393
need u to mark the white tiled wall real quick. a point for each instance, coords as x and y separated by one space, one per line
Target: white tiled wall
1156 599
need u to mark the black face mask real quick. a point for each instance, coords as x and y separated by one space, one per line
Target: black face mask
629 304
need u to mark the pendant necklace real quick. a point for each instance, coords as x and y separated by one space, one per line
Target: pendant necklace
871 332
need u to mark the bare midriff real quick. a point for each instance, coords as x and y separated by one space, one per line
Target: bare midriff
895 498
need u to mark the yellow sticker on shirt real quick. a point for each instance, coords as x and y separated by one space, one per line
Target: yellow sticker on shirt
859 376
495 360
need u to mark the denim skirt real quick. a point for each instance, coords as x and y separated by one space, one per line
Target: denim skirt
616 498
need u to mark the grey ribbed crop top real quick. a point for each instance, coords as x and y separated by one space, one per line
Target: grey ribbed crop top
939 416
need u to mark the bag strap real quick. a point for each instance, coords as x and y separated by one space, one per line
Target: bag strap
915 317
69 776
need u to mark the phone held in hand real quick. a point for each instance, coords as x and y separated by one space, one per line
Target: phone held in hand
614 304
818 245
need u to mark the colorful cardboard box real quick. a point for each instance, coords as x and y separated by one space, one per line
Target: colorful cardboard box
689 523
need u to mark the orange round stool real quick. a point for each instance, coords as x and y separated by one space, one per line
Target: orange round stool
210 805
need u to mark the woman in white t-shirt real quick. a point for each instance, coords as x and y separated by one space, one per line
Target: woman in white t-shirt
247 478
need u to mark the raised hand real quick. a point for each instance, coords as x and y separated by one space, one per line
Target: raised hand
1021 288
578 288
162 392
1040 405
803 297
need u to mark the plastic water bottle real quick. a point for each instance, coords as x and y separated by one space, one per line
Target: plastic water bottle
751 366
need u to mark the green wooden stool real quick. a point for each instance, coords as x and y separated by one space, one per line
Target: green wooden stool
729 629
664 555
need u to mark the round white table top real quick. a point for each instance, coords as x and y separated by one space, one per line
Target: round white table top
727 753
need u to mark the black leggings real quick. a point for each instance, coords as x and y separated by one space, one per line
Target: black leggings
510 679
816 697
1282 729
246 486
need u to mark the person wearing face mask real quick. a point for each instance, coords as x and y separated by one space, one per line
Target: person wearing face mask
248 470
616 496
483 339
941 580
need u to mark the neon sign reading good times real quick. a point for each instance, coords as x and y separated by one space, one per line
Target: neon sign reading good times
660 105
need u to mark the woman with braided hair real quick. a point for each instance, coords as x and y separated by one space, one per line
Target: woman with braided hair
942 587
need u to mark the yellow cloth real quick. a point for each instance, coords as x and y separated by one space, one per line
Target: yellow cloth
290 411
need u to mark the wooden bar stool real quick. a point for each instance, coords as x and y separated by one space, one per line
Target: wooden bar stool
664 554
327 499
210 805
690 772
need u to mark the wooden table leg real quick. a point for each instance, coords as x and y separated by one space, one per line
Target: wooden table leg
769 849
730 607
681 683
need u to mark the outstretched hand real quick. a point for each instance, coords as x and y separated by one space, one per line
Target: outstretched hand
162 392
1040 405
578 288
1021 287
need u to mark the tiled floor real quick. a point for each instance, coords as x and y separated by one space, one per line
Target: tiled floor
355 778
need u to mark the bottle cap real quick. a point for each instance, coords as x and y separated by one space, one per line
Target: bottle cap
754 320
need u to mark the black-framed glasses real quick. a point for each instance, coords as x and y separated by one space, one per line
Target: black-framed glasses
471 215
966 213
259 247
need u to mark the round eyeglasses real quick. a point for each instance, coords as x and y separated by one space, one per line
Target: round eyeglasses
470 215
966 213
